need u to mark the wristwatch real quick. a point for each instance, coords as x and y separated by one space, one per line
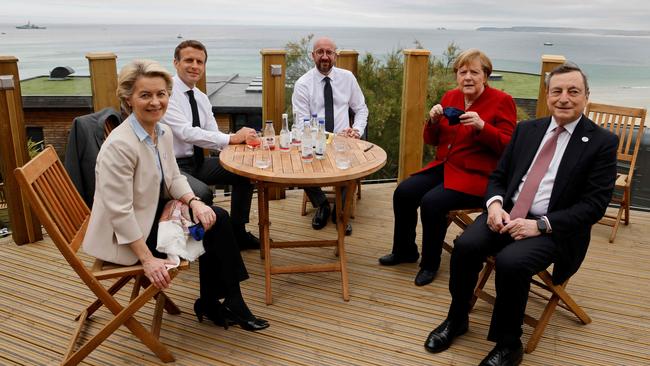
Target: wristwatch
541 226
195 198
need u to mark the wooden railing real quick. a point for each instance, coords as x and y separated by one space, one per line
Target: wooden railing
103 74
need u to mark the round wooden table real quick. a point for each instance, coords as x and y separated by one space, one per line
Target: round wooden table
288 169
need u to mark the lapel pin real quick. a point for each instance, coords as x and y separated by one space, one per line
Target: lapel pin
585 138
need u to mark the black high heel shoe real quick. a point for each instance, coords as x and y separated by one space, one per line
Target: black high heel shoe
251 323
214 312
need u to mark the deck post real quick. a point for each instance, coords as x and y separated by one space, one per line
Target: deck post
274 76
414 94
549 62
103 80
13 151
348 60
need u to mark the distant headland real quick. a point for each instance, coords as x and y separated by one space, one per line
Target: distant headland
602 32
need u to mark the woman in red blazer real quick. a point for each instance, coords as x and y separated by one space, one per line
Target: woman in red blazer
471 128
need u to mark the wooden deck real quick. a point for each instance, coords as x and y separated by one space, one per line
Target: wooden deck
385 322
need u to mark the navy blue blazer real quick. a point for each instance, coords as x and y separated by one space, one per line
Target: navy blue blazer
582 190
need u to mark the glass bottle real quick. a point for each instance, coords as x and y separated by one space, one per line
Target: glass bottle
321 139
296 131
285 135
307 151
269 135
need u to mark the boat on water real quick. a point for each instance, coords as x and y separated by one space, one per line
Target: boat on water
29 26
548 43
179 36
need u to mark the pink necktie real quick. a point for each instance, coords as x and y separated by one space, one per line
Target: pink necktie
534 178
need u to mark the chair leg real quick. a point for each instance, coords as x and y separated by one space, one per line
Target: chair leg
90 310
483 278
124 316
542 322
617 222
170 306
626 203
303 212
156 320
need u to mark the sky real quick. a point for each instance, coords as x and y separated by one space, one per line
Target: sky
457 14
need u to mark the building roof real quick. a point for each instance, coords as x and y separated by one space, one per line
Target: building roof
234 92
227 93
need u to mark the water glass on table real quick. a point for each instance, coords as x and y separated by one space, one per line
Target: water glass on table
341 156
262 158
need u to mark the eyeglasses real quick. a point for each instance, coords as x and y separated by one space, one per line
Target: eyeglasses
321 52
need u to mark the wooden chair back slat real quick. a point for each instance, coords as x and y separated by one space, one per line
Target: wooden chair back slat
621 121
56 203
625 122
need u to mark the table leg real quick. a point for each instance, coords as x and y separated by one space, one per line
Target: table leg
341 224
263 209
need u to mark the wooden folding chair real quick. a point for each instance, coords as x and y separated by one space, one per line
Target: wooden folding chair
330 192
65 216
461 218
628 124
557 293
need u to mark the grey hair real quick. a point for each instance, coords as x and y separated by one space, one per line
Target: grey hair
566 67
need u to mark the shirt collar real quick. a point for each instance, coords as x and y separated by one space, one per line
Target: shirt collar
180 85
140 133
569 127
331 75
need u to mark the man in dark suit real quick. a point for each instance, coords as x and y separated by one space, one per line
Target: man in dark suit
552 184
86 136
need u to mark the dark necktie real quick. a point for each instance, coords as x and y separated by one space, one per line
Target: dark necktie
329 106
534 178
198 151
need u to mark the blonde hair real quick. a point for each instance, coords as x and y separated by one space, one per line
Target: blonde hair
135 69
468 56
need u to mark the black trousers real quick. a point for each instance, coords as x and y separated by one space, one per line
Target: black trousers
211 172
425 191
221 267
317 196
516 263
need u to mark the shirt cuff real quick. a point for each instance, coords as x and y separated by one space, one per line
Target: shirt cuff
494 198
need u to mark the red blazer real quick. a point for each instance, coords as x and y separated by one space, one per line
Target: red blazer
469 156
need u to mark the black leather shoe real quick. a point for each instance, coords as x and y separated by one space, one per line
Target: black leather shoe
212 311
321 216
441 338
246 240
251 323
504 356
424 277
393 259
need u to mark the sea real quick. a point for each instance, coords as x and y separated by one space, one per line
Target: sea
618 66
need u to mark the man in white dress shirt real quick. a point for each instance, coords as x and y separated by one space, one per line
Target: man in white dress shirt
332 93
194 127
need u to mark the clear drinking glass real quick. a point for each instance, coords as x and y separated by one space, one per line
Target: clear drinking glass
253 141
341 156
263 156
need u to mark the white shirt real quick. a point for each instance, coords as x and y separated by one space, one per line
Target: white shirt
179 118
543 194
308 98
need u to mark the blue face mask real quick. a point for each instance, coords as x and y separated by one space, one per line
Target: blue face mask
197 231
453 115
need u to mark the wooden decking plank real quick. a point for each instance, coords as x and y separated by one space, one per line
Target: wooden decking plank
384 323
